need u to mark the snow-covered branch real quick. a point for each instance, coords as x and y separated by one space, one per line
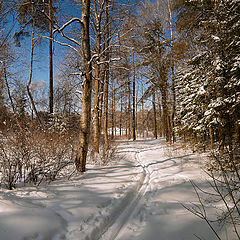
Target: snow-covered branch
63 44
108 61
66 24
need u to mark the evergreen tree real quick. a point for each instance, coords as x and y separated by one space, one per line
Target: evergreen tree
209 86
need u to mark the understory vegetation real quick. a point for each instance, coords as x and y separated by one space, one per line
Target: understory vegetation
30 154
129 69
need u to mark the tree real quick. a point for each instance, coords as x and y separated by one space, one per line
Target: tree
134 98
209 82
42 14
82 149
32 13
101 25
50 57
208 97
151 42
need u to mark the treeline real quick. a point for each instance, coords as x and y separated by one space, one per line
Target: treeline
164 68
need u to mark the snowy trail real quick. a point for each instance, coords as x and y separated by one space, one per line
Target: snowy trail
150 175
79 209
113 230
137 197
159 214
133 206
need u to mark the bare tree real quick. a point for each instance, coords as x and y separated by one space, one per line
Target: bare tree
82 149
50 58
134 98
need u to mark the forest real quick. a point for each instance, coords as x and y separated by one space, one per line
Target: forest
77 76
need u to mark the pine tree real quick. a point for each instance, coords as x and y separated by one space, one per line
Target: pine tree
209 85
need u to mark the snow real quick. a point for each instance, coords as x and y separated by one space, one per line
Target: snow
201 91
216 38
139 196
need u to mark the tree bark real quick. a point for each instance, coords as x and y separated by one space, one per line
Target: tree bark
8 89
154 115
82 150
142 117
121 114
174 105
98 88
31 73
112 109
160 116
166 126
173 75
96 122
134 99
211 137
106 140
50 58
129 108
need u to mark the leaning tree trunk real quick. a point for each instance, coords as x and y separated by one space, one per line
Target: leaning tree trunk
85 120
31 74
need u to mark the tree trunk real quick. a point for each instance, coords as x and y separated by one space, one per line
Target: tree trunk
136 115
129 108
98 88
134 100
120 120
50 58
143 129
154 116
96 122
166 126
174 106
126 116
8 89
211 137
106 140
169 131
112 110
85 120
101 90
173 75
160 116
31 74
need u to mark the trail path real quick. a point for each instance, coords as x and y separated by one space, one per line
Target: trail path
137 197
156 212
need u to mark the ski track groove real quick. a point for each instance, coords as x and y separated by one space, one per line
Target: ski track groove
129 204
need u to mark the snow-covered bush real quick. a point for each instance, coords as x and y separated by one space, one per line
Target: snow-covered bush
32 156
105 156
223 193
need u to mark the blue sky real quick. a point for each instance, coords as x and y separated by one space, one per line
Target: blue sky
41 57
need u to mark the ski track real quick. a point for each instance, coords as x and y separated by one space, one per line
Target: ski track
122 216
117 223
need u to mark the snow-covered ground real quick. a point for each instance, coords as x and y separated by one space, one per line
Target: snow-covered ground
138 197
